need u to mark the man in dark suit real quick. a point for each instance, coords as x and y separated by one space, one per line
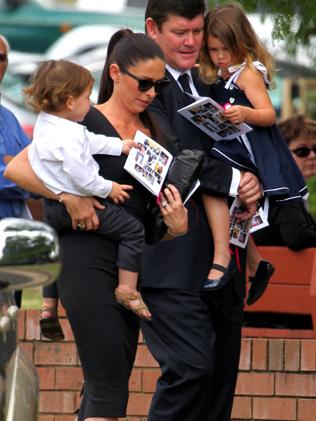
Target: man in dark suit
196 339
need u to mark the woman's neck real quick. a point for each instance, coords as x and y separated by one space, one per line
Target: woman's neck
123 120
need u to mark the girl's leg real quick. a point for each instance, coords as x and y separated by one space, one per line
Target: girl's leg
253 257
126 293
218 217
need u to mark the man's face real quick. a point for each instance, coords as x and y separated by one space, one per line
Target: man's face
3 63
180 40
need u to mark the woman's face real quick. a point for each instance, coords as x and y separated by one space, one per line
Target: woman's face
127 84
304 154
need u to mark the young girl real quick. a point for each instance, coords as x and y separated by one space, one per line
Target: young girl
61 156
239 69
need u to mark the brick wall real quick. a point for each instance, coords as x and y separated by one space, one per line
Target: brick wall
277 378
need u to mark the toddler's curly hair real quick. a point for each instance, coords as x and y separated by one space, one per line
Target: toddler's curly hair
53 82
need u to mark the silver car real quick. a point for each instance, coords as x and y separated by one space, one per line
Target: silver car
28 257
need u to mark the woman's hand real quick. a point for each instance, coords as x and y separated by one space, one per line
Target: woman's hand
173 211
82 211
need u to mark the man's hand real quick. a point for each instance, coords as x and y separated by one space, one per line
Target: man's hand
249 190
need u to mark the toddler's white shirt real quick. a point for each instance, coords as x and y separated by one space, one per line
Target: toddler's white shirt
61 156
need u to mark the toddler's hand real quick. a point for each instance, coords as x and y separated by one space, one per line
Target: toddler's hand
128 144
118 193
249 212
235 113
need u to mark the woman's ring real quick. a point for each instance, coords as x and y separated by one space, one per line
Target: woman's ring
81 226
164 203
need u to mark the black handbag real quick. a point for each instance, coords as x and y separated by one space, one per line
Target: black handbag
183 173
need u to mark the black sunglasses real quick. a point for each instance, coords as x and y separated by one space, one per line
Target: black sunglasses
3 57
146 84
304 151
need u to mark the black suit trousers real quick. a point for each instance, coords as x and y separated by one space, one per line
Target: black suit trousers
195 337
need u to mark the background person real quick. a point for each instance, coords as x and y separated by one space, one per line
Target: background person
106 334
195 339
291 224
12 141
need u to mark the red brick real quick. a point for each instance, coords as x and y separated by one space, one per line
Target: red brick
135 381
242 408
295 384
308 356
259 354
274 409
46 377
150 377
46 418
64 418
67 330
32 327
57 402
28 348
21 325
291 355
138 404
306 410
255 384
245 355
144 358
276 347
61 310
68 378
50 353
141 339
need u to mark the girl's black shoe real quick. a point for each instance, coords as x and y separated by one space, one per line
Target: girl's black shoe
259 282
214 284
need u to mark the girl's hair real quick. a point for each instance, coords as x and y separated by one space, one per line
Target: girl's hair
53 82
297 127
126 49
229 24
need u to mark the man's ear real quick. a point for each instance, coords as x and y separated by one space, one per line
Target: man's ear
151 28
115 72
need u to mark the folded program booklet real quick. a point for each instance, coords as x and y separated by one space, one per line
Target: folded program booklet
206 114
150 164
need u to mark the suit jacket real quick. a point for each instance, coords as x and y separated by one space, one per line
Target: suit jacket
290 225
183 263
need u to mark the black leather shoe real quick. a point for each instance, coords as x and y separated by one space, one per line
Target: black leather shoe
259 282
214 284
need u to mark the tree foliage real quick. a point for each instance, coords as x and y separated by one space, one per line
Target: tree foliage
294 21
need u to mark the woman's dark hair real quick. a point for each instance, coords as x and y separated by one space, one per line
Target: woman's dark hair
160 10
126 49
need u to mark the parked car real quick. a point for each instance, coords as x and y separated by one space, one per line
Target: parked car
28 257
31 25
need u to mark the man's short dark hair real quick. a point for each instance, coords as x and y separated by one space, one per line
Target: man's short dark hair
160 10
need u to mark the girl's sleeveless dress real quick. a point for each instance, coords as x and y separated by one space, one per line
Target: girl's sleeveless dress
262 150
